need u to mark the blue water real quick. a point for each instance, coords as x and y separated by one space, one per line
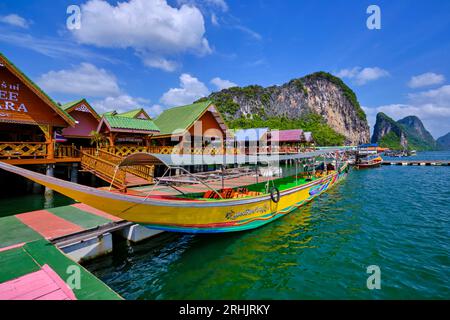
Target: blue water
395 217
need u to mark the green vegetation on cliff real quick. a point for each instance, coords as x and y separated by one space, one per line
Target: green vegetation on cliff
323 134
391 141
443 142
415 135
298 83
289 106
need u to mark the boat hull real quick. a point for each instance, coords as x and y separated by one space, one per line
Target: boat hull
288 203
189 216
367 166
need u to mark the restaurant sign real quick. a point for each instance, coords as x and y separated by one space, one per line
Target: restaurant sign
9 99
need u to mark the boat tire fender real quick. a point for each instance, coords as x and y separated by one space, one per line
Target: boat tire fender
275 194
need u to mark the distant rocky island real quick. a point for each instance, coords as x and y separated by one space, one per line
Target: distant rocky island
444 142
318 102
408 133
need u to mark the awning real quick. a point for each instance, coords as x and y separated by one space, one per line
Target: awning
174 160
143 158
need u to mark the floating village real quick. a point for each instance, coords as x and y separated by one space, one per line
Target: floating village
184 171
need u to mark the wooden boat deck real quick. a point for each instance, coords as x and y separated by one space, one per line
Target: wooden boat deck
192 188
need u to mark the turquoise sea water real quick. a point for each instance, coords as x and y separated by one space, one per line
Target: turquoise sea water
395 217
19 195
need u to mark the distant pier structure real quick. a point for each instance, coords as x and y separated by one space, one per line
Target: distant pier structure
416 163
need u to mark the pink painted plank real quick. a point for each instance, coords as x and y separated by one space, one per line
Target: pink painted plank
86 208
25 284
35 293
60 282
47 224
18 245
44 284
55 295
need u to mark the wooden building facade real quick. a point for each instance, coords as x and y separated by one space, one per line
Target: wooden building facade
28 118
195 128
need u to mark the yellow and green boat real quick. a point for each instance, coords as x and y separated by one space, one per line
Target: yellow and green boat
214 211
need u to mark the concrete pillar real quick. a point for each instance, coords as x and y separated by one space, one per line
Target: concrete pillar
88 249
49 172
136 233
93 180
74 173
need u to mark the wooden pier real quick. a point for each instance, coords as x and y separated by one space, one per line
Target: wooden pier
38 248
416 163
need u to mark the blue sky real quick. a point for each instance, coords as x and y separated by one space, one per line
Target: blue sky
158 53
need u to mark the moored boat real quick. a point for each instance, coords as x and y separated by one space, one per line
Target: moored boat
369 162
214 211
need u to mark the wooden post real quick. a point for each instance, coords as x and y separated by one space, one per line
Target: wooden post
111 138
49 141
50 144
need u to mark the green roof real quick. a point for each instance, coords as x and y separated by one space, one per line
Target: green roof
109 113
35 86
180 118
69 105
133 113
119 122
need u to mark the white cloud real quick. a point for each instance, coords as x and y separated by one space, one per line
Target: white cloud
426 79
160 63
439 97
222 84
155 110
87 80
218 3
50 47
214 20
206 4
152 28
255 35
362 75
120 103
15 20
432 107
83 80
190 90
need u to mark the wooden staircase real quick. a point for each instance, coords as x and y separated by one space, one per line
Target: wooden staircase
103 164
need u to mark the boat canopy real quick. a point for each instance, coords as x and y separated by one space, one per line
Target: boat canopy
368 145
174 160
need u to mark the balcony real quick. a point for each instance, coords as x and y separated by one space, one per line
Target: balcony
36 153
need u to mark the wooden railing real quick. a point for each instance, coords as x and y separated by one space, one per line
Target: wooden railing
64 151
90 151
125 150
145 172
19 150
104 169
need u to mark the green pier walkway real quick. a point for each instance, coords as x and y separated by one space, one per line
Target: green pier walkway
26 252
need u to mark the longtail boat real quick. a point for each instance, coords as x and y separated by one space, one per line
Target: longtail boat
369 162
213 211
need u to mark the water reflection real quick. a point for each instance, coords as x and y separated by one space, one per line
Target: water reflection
393 217
49 196
252 264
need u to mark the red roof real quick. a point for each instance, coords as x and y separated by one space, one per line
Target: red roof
295 135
